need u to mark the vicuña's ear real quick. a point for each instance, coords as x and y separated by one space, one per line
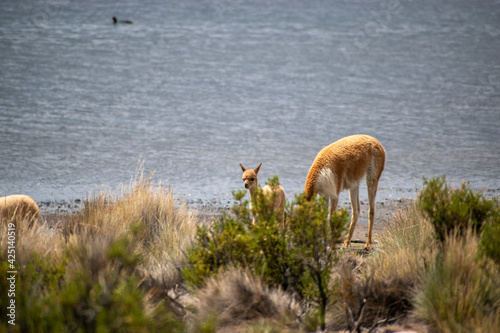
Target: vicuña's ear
257 169
242 167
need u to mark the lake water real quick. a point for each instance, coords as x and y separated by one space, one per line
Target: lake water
193 88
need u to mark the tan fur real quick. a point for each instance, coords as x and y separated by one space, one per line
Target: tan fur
18 207
341 166
251 181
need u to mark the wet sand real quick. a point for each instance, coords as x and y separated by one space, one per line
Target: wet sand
384 212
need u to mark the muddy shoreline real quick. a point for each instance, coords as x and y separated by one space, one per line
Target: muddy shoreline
53 215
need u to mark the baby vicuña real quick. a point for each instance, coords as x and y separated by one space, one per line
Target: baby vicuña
251 181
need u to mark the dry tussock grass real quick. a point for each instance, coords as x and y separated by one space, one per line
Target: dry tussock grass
460 292
31 237
378 289
163 226
235 296
366 301
143 223
406 247
413 277
158 227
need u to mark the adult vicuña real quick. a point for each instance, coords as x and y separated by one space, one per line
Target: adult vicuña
252 183
18 206
341 166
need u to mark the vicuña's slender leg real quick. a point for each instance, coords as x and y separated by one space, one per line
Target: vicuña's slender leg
372 183
333 207
354 196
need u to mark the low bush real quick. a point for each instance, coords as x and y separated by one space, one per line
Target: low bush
313 238
490 235
461 290
453 210
297 257
234 241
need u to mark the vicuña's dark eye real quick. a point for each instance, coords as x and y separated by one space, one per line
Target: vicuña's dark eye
252 179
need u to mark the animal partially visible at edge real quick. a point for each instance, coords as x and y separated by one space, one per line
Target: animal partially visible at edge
251 182
18 207
341 166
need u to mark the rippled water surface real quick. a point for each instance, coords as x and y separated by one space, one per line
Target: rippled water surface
193 88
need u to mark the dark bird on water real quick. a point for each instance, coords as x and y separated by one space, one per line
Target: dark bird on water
115 21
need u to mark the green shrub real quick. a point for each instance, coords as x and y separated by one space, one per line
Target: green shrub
490 235
313 248
224 243
34 312
274 181
83 294
234 241
460 293
460 288
297 257
453 210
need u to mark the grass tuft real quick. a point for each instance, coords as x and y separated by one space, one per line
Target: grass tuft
235 295
460 292
110 267
159 222
378 289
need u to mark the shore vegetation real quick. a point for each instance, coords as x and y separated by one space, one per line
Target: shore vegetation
140 260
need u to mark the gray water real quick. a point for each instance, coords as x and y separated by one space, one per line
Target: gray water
193 88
